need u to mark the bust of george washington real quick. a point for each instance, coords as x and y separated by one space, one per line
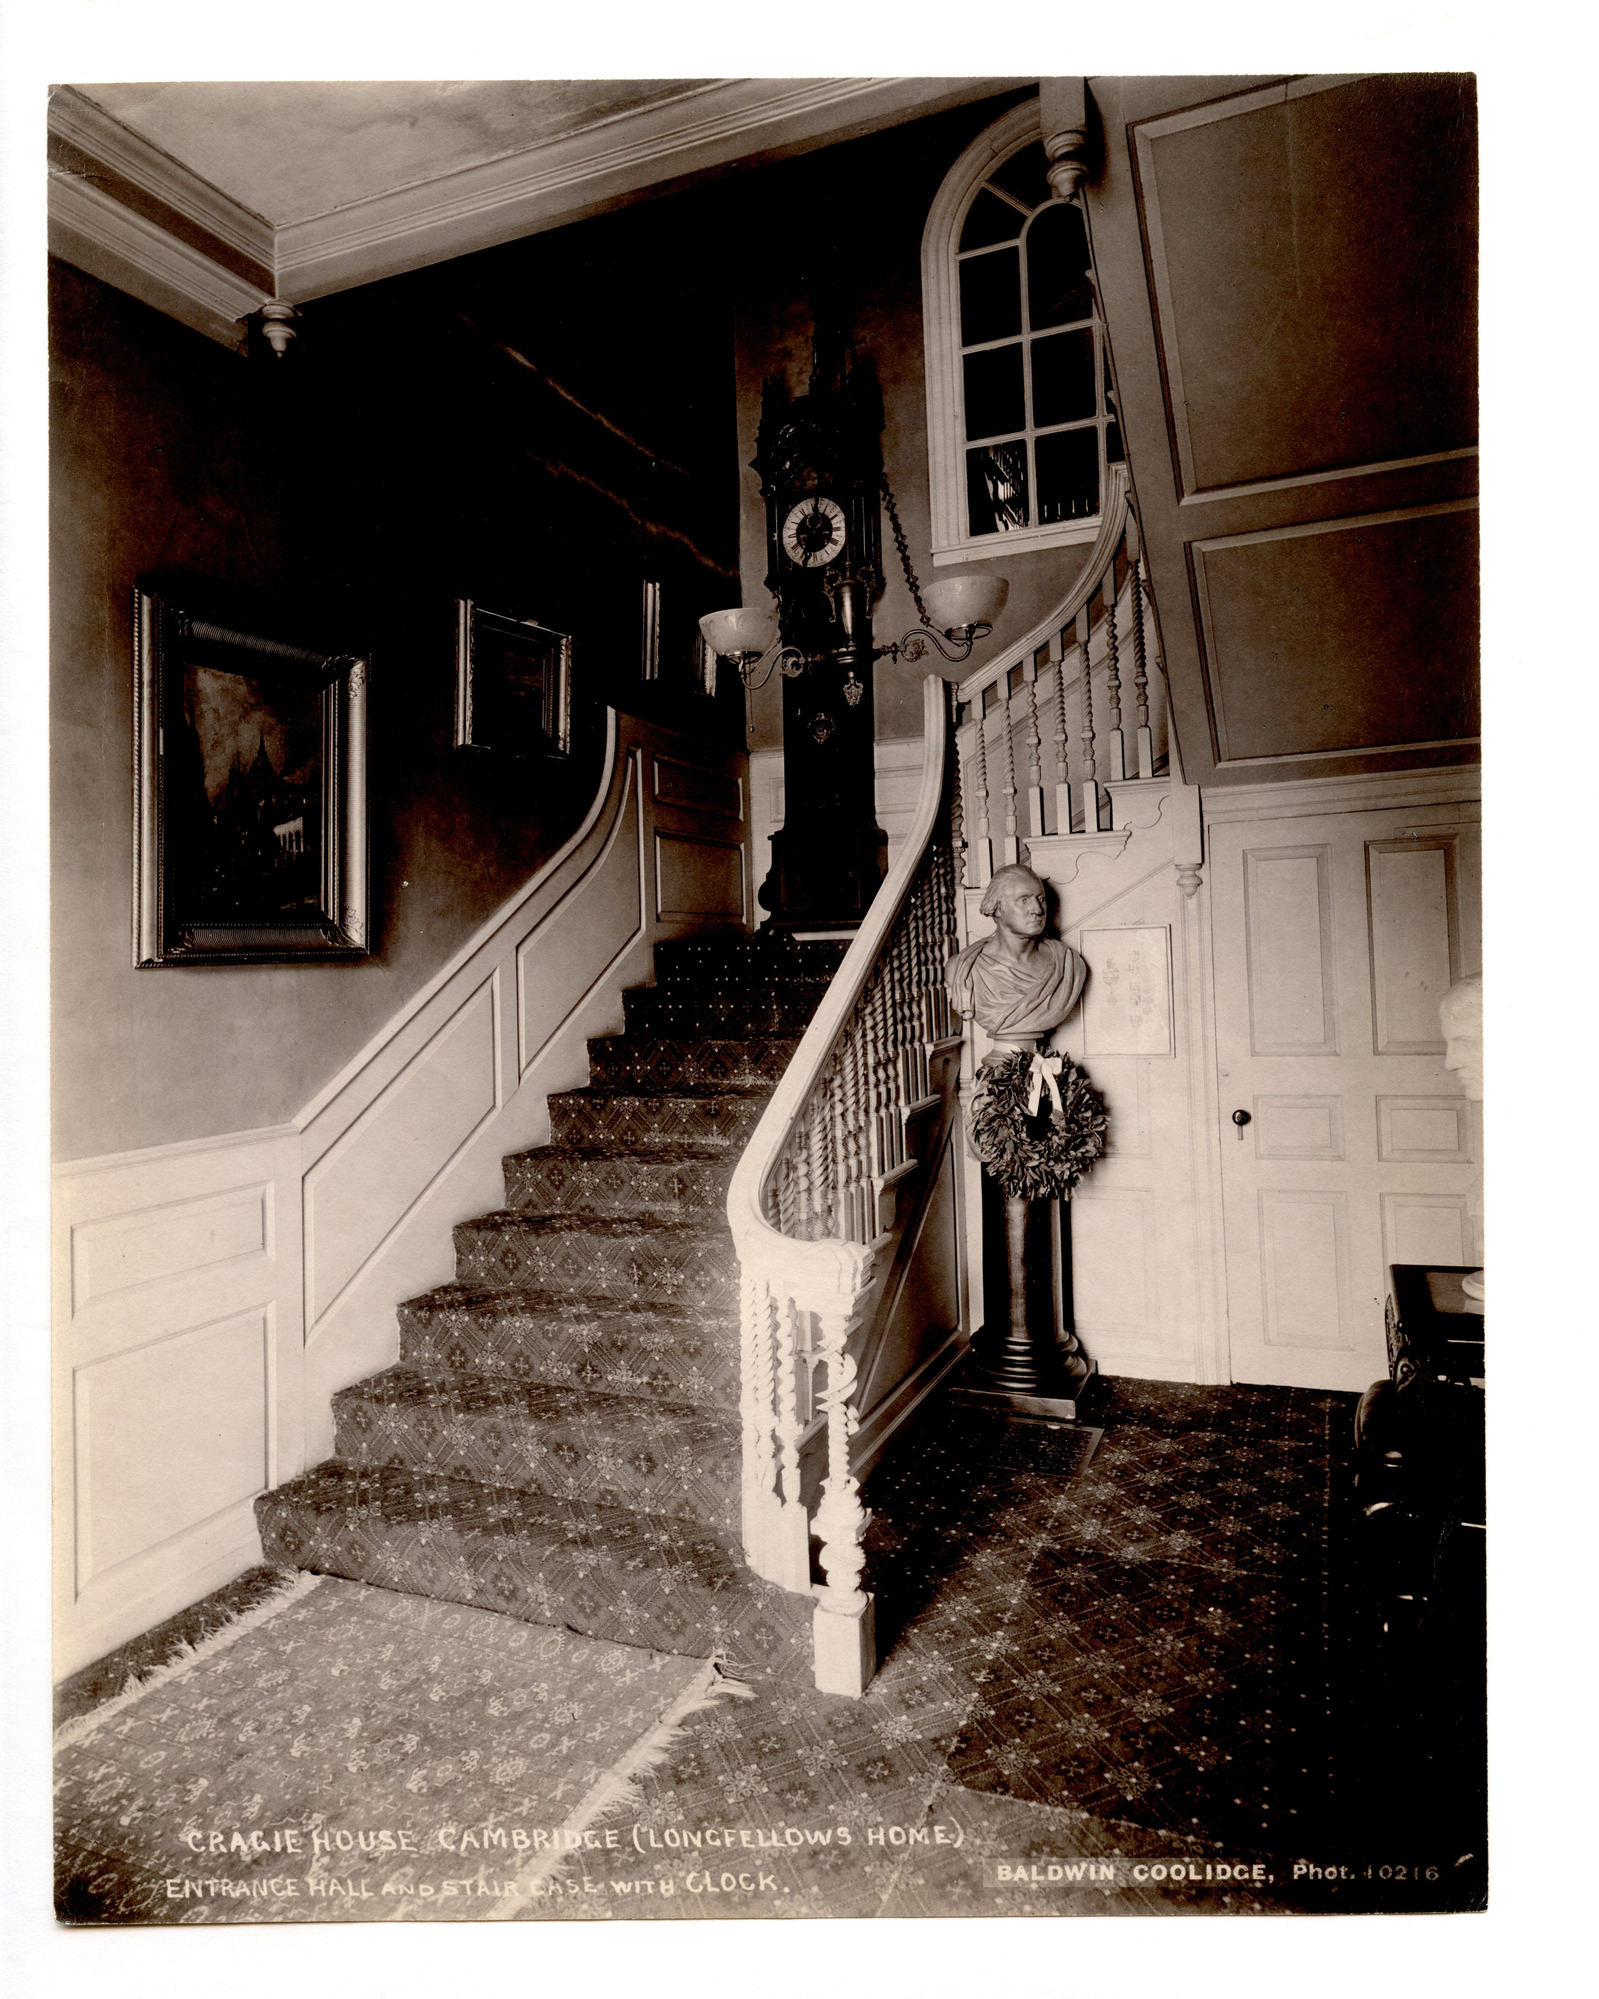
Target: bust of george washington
1019 984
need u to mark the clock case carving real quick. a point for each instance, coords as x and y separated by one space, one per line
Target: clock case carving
820 459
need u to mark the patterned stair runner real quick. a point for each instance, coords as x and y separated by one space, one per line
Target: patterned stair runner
559 1439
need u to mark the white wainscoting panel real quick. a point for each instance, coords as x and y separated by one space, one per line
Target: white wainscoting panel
204 1397
177 1280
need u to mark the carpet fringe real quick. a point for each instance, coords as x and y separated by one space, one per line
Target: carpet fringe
187 1657
619 1786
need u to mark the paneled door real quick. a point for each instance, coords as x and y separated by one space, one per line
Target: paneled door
1335 936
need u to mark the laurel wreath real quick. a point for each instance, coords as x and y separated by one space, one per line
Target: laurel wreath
1041 1156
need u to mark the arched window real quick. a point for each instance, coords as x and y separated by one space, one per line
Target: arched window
1019 426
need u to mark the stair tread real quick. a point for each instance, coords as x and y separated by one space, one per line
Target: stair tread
694 1091
682 1353
640 1451
419 1387
531 1301
618 1227
605 1150
638 1578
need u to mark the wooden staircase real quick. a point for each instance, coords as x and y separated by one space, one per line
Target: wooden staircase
560 1439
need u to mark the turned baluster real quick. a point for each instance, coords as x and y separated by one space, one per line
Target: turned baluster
1089 786
756 1406
1146 741
1115 749
1063 793
957 807
791 1413
985 837
1010 846
854 1144
843 1637
1035 752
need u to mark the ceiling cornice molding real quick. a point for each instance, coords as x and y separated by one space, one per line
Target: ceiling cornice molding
103 139
104 237
602 166
664 143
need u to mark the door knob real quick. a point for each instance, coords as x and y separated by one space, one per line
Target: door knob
1241 1118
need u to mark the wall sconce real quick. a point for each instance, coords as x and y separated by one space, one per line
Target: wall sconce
957 611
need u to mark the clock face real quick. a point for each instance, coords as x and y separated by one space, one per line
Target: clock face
813 533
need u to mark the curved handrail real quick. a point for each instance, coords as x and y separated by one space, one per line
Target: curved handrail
828 1268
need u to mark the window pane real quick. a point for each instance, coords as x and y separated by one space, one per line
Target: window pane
1113 443
994 401
996 488
991 297
1057 267
1068 475
990 220
1026 175
1063 378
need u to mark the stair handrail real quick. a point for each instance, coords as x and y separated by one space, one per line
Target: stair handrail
896 960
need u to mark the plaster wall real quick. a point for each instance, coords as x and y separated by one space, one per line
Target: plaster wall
354 488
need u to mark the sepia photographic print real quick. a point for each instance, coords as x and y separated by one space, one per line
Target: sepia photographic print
830 1265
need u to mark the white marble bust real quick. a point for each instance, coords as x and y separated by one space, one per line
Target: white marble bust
1019 984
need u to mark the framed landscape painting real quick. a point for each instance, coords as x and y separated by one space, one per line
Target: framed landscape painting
249 793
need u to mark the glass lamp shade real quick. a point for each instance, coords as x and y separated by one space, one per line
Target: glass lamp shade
748 628
968 597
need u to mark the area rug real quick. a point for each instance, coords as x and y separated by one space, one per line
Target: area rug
346 1753
1116 1679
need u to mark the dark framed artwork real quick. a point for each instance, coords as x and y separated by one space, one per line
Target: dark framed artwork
249 831
513 684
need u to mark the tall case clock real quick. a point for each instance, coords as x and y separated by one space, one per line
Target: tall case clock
820 461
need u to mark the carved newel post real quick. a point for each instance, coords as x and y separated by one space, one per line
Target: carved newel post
1034 1122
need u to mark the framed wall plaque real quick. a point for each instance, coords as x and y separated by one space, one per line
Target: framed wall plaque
513 684
249 831
1127 1006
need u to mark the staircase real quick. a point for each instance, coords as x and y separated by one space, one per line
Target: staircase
560 1438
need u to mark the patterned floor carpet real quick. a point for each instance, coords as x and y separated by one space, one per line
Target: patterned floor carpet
1147 1684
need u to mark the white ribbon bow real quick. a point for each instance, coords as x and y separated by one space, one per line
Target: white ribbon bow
1041 1077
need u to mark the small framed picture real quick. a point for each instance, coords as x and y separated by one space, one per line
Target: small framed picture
249 834
513 684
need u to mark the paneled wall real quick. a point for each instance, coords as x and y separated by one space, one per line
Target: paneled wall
1298 985
211 1297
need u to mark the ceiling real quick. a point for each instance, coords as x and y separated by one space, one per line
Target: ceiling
291 151
210 200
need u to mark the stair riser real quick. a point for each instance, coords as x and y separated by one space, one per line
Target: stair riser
645 1121
671 1015
642 1062
642 1455
693 1360
701 961
558 1182
627 1578
695 1271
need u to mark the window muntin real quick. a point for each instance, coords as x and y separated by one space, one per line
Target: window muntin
1034 418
